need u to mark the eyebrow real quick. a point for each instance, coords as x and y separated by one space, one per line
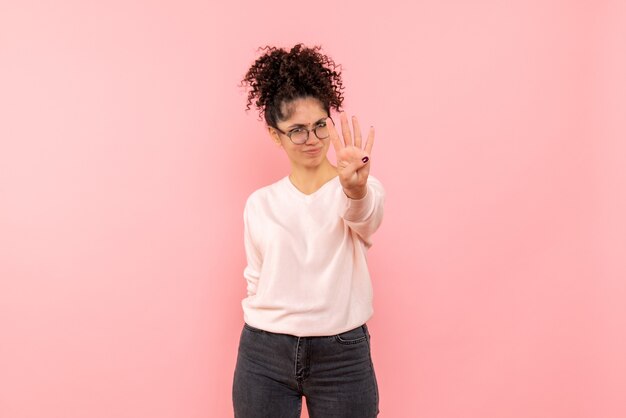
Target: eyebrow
299 125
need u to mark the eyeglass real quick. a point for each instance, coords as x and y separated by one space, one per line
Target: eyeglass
300 135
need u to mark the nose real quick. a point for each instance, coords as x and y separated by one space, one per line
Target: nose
312 139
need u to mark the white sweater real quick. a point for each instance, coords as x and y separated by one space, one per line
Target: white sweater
307 269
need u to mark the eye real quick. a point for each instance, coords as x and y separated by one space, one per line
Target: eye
321 124
296 130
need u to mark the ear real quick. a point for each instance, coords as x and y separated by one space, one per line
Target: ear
274 136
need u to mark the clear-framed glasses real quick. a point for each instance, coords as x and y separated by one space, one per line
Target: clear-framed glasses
300 135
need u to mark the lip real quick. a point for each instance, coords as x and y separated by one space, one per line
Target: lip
314 152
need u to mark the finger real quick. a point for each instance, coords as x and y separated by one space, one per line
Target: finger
364 171
334 136
357 132
345 129
351 168
370 142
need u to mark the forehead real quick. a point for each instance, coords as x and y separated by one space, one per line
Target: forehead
303 111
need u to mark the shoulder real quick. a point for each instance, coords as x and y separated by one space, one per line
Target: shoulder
264 194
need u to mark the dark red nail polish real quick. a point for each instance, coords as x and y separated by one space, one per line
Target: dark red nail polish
365 159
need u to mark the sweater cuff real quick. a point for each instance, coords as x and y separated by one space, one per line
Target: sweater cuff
359 209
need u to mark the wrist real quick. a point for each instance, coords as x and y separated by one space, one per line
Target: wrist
356 194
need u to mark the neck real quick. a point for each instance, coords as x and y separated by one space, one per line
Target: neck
311 178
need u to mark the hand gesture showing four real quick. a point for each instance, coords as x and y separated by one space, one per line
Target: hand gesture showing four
352 160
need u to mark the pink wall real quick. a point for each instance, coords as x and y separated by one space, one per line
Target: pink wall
126 157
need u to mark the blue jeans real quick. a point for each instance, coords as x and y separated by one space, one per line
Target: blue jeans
335 373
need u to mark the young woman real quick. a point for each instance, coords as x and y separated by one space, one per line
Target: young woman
309 292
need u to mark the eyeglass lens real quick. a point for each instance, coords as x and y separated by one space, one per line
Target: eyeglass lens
300 136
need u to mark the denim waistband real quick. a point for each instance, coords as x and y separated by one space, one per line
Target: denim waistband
250 327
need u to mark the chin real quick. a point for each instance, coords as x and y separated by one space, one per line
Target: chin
317 159
314 163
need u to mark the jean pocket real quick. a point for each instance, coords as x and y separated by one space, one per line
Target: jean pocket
354 336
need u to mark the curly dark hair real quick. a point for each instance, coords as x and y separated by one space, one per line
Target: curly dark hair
278 77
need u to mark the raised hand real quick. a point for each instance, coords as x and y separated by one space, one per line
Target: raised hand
353 163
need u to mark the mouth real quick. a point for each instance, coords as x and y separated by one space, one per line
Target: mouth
314 151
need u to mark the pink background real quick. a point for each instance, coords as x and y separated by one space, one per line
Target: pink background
126 157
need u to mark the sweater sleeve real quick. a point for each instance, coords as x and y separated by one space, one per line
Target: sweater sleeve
252 270
365 215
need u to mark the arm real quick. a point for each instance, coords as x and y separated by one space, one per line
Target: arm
365 215
252 271
363 194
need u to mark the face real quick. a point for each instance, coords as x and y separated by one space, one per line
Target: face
304 113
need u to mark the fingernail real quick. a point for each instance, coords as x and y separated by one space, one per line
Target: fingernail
365 159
